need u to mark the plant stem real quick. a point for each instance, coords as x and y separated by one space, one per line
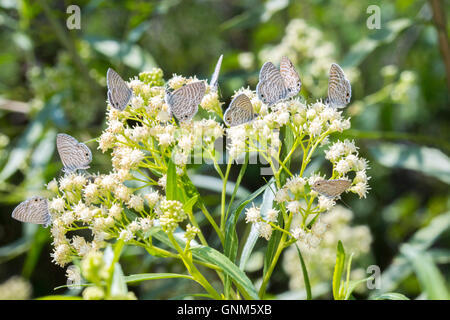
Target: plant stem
198 277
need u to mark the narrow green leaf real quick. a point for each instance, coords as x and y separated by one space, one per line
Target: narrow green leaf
171 181
430 278
240 279
390 296
135 278
305 275
338 269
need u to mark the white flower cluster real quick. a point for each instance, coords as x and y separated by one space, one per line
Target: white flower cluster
319 249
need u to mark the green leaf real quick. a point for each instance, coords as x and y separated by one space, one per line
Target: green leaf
171 182
213 256
430 278
135 278
41 237
305 275
118 284
240 279
34 131
338 270
359 51
429 161
231 240
401 267
266 205
390 296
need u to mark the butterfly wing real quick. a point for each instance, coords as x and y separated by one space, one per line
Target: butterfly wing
331 188
214 83
74 155
339 88
33 210
184 101
290 76
119 94
240 111
271 87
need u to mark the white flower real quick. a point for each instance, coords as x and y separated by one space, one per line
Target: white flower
294 206
361 189
252 214
57 204
136 202
264 230
298 233
152 198
326 203
272 215
126 235
282 195
53 186
342 166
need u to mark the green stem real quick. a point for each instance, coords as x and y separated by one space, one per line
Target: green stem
224 192
198 277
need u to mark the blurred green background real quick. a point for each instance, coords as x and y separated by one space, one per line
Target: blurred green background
54 80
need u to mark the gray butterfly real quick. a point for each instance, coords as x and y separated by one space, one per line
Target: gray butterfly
183 102
331 188
33 210
214 82
275 85
74 155
339 88
239 111
119 94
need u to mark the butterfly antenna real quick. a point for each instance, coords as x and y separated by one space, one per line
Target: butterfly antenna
345 204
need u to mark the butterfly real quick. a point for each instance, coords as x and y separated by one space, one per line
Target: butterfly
331 188
119 94
339 88
33 210
74 155
183 102
275 85
239 111
214 82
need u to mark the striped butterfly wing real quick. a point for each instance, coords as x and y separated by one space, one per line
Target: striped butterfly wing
339 88
271 87
331 188
240 111
214 82
119 94
183 102
290 76
33 210
74 155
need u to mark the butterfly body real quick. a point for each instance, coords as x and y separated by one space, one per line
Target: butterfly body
119 94
276 85
33 210
331 188
74 155
183 102
239 111
339 88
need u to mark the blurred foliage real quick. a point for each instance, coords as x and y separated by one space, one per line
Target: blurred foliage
53 80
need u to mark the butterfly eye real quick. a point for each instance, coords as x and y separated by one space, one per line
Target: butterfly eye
262 96
36 200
